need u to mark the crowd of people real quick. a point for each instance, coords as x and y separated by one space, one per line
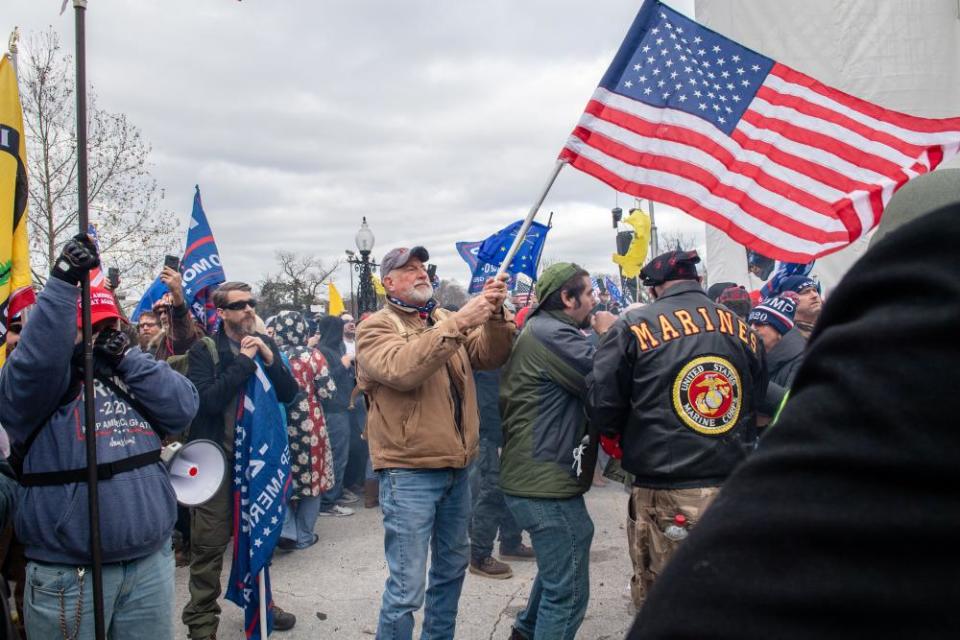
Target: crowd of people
464 425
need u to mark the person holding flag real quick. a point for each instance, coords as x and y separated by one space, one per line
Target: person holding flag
237 382
200 272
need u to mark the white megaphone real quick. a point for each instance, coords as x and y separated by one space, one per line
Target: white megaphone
196 470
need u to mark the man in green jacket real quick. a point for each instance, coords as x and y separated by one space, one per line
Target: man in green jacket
545 465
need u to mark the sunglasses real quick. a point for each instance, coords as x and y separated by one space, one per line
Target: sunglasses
146 325
240 305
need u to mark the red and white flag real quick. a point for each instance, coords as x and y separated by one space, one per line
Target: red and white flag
777 160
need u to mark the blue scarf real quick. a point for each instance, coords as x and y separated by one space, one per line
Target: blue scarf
424 311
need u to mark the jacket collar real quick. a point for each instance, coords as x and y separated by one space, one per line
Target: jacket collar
683 287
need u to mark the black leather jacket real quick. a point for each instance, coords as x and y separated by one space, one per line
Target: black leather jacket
679 380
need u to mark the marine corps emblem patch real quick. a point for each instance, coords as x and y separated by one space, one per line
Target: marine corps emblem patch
707 395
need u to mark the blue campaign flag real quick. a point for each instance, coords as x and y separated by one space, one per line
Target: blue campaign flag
200 268
494 249
200 265
784 270
479 271
261 485
153 293
614 290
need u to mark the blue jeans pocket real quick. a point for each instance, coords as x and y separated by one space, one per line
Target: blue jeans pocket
55 595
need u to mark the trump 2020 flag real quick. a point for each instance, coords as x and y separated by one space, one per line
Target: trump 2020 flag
494 249
200 268
261 484
16 292
480 271
777 160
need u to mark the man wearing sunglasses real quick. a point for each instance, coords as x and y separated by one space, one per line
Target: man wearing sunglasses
220 382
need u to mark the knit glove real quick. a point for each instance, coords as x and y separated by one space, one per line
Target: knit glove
76 260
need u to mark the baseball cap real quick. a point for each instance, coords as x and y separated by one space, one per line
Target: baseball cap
396 258
102 307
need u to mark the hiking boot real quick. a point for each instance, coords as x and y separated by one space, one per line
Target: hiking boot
490 568
337 510
283 621
516 635
348 497
522 553
371 493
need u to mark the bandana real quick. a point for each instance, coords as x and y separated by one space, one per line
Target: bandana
424 311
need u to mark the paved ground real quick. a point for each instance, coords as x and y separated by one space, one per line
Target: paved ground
334 587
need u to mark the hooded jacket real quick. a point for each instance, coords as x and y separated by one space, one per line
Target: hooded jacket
680 381
138 507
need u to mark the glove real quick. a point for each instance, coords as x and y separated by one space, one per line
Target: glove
76 259
612 446
110 347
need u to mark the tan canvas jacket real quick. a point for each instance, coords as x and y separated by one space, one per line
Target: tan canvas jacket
407 369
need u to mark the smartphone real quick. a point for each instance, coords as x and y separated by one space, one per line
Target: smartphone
431 271
173 262
113 276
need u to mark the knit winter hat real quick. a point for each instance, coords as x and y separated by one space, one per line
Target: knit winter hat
776 312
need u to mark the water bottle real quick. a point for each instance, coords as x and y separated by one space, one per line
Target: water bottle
677 530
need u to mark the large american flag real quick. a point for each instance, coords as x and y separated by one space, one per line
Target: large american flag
779 161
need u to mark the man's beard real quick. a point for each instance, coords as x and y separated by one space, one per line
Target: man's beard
349 335
418 294
243 328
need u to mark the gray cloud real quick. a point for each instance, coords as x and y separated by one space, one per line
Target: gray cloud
438 121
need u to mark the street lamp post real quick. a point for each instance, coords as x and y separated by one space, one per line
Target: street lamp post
352 260
366 294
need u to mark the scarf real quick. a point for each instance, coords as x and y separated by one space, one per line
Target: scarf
424 311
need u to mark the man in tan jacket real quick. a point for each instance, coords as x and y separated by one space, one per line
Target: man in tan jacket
415 363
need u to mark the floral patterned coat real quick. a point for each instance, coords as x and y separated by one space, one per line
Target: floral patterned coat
311 458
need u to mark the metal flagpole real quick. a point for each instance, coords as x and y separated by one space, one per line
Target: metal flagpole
522 232
263 603
90 417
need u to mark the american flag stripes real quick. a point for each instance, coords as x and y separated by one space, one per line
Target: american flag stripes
777 160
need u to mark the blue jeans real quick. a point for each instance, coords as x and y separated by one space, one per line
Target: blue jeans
423 508
561 532
300 519
137 599
338 428
490 512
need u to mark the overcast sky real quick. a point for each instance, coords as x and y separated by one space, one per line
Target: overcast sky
439 121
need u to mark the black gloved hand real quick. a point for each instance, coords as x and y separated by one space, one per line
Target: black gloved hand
76 259
110 347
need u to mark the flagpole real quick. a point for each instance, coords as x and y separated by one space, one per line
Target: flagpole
263 603
522 232
90 417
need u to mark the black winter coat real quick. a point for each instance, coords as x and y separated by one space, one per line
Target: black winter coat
219 385
680 381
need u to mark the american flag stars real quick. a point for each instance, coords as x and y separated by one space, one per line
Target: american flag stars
698 57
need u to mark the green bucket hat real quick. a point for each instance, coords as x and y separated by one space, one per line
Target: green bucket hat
553 278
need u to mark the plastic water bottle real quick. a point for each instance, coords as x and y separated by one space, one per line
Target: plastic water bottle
677 530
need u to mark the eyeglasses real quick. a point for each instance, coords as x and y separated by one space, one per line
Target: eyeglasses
240 305
147 325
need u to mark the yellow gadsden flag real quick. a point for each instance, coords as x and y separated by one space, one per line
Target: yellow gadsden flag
335 307
15 290
632 262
